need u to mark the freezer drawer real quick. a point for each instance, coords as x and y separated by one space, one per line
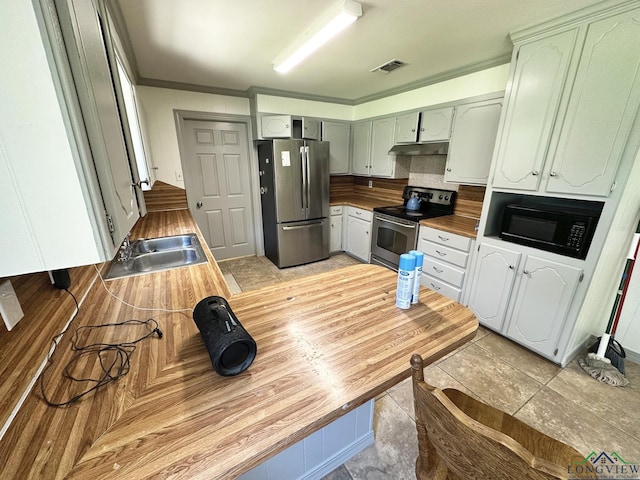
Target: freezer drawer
303 242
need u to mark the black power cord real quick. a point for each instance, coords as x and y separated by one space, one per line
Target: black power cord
114 358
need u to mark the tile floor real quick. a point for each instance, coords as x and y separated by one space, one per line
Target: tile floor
562 402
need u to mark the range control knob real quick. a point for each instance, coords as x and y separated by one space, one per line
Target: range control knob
440 197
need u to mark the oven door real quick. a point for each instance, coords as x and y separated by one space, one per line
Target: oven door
392 237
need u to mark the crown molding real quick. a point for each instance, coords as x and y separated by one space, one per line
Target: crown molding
191 87
252 91
123 35
440 77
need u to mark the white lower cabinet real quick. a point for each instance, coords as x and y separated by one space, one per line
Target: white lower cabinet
492 283
357 237
541 303
446 260
336 229
526 299
323 451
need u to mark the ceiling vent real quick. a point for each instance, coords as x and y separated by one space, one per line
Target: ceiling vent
390 66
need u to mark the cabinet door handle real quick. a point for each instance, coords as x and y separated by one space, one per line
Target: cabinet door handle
526 272
442 254
534 173
413 129
435 287
438 271
448 169
511 267
199 205
444 239
553 174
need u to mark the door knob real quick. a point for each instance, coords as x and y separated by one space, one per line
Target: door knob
199 205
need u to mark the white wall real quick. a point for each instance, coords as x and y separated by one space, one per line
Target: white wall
158 105
485 81
309 108
596 309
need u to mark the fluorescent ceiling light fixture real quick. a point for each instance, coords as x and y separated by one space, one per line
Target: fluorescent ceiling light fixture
344 14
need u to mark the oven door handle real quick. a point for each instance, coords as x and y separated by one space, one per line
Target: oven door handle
395 223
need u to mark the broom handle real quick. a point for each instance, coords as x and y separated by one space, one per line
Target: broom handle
631 260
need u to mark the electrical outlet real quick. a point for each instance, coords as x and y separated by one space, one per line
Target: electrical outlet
179 176
9 305
370 183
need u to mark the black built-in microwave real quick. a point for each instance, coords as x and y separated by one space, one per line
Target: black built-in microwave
564 230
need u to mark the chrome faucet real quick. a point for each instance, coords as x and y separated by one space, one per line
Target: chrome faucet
126 250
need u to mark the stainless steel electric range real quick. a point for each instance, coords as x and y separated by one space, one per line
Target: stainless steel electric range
395 228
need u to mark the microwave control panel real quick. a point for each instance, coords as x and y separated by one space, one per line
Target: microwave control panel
576 234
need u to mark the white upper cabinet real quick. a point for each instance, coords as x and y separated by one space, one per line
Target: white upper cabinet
382 139
288 126
277 126
310 128
539 77
435 125
361 148
573 100
372 141
604 102
53 214
472 141
338 134
407 127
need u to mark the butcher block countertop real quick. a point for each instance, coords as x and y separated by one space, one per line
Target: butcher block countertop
360 202
326 345
457 224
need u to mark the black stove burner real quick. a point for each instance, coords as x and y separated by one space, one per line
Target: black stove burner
434 203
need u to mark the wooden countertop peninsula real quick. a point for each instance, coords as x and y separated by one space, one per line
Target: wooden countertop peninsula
326 344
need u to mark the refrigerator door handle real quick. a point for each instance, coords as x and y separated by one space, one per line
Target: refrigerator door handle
298 227
308 175
303 193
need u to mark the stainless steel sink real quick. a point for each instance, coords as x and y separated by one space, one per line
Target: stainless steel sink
149 255
148 245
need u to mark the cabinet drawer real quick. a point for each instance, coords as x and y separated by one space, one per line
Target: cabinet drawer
443 253
365 215
336 210
439 286
444 238
443 271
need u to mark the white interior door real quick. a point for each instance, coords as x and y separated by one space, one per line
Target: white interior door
216 175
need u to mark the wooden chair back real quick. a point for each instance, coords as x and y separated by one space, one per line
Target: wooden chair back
462 438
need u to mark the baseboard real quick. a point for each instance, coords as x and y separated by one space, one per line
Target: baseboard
333 462
632 356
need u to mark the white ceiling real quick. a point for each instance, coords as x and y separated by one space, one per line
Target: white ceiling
231 44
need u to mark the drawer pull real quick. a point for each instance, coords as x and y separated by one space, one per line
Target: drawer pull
437 270
435 287
444 239
442 254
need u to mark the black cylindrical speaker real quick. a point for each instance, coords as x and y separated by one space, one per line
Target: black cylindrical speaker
230 346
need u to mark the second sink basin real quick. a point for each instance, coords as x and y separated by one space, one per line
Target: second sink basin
148 262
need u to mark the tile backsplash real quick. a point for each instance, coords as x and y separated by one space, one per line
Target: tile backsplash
428 171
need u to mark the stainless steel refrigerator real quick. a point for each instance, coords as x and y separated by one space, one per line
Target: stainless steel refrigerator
294 187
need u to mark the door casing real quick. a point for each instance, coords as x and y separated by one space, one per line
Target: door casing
181 116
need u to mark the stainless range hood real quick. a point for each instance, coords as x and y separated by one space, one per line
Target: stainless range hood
440 148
